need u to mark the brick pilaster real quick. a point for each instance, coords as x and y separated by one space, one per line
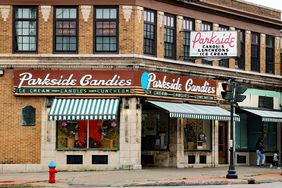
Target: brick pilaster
277 60
248 51
6 29
262 53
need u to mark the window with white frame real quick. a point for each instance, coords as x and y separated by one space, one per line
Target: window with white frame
255 52
169 36
223 62
269 56
188 26
106 29
66 29
25 29
149 32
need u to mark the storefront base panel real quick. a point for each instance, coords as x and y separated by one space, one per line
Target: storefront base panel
199 159
156 158
11 168
242 158
76 161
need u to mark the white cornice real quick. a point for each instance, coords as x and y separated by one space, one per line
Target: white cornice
21 61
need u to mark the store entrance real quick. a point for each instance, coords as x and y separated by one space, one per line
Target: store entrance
154 138
222 142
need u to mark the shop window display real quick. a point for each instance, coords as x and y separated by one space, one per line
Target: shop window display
85 134
197 134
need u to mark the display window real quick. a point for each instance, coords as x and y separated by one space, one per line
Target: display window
197 134
83 134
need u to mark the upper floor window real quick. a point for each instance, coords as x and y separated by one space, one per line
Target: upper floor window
255 52
25 29
169 36
206 26
223 62
223 28
149 32
66 29
241 59
265 102
269 54
188 26
106 29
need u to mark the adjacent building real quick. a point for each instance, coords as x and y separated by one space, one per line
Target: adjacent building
102 85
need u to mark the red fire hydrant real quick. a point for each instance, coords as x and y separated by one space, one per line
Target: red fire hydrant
52 171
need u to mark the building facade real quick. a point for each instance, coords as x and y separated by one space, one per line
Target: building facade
112 85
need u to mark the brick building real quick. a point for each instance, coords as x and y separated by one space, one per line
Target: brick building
97 85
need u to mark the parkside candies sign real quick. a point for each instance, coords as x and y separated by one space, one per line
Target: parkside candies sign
150 80
214 44
115 82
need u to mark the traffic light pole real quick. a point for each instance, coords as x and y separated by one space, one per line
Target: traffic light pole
231 171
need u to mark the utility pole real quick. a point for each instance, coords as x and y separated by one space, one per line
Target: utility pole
231 174
232 92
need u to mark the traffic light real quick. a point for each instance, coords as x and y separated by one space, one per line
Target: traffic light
239 90
227 92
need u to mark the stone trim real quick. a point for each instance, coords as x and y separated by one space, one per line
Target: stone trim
180 22
45 12
127 12
139 13
85 10
161 18
5 10
33 63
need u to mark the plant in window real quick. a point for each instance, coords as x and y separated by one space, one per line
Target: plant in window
71 129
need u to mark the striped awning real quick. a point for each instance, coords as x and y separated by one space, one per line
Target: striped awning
267 115
83 109
194 111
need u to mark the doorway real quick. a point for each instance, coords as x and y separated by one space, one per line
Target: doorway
222 142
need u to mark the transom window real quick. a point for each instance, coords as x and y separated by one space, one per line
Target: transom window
270 54
106 28
149 32
169 36
25 29
255 53
188 26
66 26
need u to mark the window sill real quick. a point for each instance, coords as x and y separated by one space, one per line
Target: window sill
87 149
198 150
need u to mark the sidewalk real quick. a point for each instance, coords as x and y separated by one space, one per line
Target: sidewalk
144 177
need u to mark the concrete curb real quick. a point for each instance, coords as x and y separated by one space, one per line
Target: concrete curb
145 184
189 183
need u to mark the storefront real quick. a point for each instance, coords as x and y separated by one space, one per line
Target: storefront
260 117
125 119
184 135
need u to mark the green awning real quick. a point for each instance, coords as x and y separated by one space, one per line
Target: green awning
195 111
267 115
83 109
